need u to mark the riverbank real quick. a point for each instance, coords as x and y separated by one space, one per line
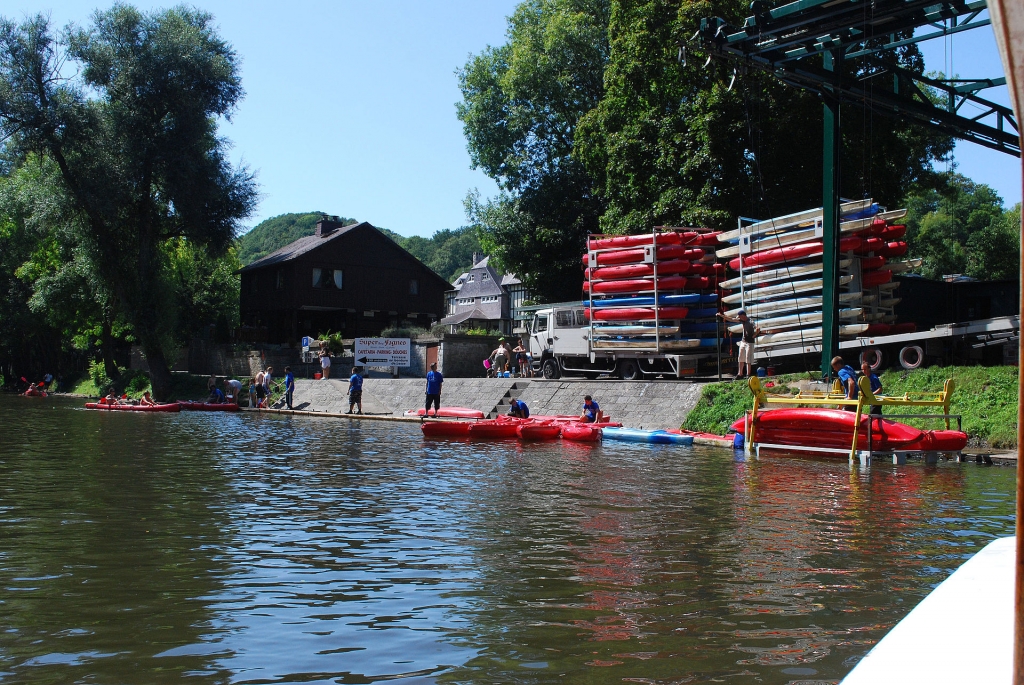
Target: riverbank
985 396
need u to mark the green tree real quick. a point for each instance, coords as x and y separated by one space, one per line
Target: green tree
522 102
127 110
959 227
276 232
206 290
671 144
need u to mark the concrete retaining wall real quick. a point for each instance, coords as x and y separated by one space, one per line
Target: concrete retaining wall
640 404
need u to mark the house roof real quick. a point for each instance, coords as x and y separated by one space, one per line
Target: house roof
465 316
478 286
301 247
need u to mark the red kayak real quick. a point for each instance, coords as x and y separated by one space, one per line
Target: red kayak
538 431
902 328
869 263
869 279
445 429
894 249
638 314
637 255
494 429
815 427
668 268
647 285
187 405
449 412
939 441
780 255
878 329
624 241
581 432
132 407
894 232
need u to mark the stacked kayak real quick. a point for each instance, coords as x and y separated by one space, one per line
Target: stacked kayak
188 405
781 274
172 407
833 428
653 292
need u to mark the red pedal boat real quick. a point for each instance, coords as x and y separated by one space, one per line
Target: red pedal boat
133 407
188 405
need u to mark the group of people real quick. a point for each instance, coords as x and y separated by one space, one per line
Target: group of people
591 410
506 359
40 389
848 378
261 389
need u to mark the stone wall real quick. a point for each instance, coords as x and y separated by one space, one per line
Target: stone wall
462 356
640 404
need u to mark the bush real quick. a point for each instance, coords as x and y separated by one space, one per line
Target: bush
135 382
334 343
98 375
403 332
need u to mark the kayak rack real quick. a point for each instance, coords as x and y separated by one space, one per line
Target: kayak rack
864 398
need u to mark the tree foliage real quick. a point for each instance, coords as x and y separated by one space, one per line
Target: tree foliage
960 227
127 109
522 102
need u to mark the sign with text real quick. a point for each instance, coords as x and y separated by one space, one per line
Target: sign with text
382 351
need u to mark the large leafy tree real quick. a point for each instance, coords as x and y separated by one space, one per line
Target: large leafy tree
671 143
960 227
127 110
521 105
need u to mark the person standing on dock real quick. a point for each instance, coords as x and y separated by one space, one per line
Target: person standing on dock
234 389
591 411
848 378
355 390
289 386
434 382
876 385
745 352
325 361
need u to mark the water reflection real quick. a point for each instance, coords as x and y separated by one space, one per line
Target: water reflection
252 549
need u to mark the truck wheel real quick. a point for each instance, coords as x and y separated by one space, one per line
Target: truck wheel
550 369
873 356
911 357
629 370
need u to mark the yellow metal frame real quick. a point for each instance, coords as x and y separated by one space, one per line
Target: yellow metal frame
836 397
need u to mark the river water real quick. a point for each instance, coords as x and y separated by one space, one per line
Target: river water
219 548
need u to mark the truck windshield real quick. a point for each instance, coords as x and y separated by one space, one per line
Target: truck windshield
540 323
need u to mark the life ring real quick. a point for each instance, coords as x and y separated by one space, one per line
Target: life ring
911 357
873 357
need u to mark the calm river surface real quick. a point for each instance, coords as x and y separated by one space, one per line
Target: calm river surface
216 548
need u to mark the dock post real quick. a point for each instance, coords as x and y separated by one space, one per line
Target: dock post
830 163
899 458
931 457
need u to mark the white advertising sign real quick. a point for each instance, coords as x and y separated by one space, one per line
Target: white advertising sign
382 351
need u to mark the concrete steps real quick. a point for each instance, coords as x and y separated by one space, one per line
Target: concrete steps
505 402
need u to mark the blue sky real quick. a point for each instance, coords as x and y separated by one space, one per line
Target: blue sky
350 106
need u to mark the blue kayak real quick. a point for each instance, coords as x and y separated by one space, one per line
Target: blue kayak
701 313
691 298
659 437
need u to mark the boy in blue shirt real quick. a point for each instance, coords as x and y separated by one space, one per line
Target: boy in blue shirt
434 382
848 377
289 386
591 411
355 390
876 385
519 409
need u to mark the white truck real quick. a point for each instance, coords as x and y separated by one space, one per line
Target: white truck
560 344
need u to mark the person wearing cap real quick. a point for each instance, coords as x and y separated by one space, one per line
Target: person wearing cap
848 379
745 354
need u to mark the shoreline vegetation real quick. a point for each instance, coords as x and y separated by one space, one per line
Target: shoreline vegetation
986 397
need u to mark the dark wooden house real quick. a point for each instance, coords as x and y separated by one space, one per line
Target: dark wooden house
349 279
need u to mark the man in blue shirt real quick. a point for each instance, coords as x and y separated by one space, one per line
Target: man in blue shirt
519 409
289 386
848 377
434 382
355 390
216 396
876 385
591 411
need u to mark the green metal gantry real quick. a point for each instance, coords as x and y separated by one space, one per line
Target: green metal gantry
811 44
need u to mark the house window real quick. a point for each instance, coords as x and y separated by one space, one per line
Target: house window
485 276
327 278
280 280
489 298
414 287
464 300
471 278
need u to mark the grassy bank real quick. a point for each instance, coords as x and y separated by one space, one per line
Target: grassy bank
986 397
184 386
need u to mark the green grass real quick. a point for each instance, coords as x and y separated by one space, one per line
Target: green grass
183 387
986 397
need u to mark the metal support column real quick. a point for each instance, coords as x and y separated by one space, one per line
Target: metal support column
830 166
